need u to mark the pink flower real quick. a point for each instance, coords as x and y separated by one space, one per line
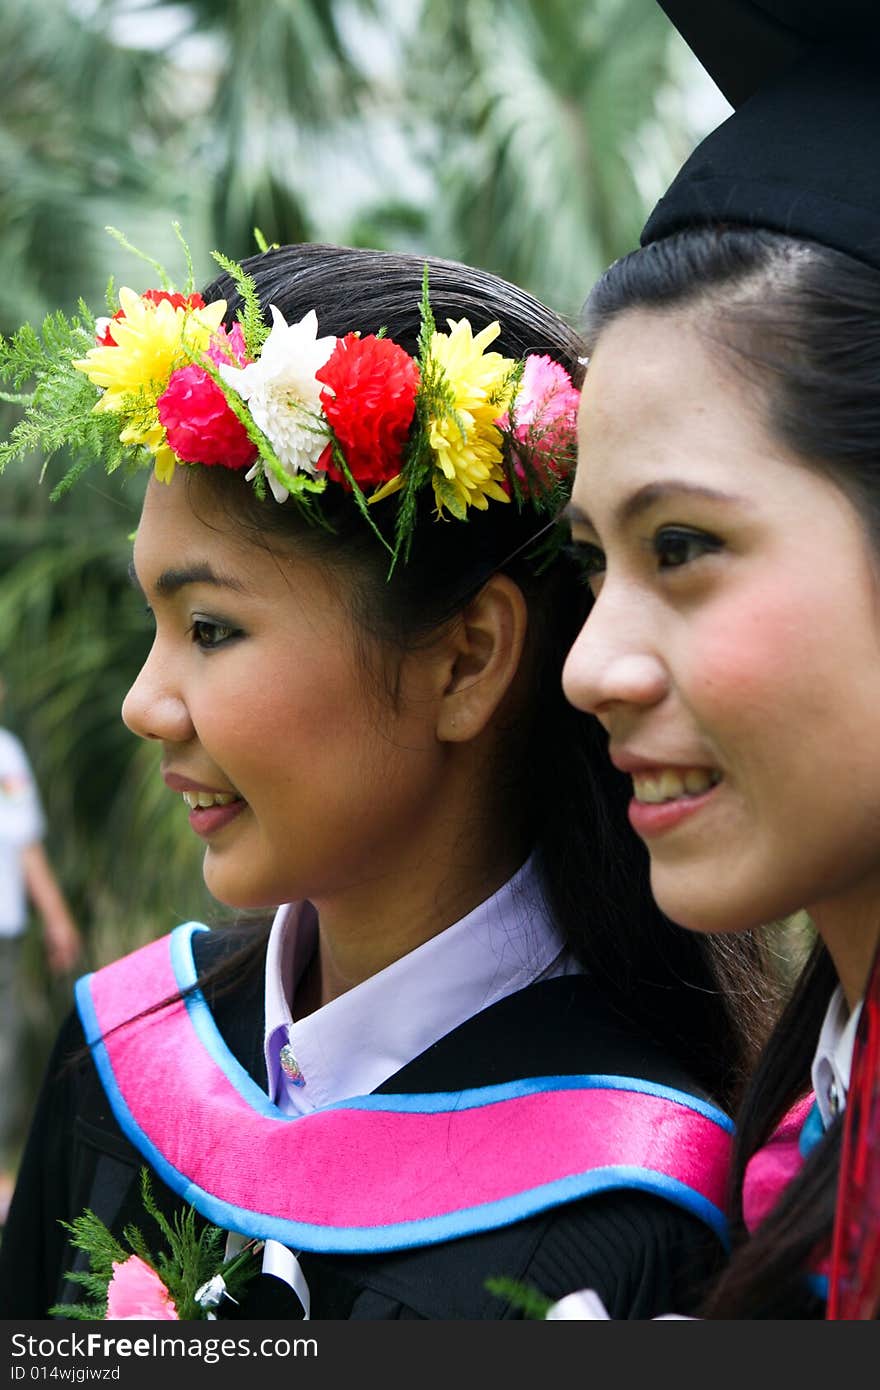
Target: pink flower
225 343
199 425
545 418
136 1291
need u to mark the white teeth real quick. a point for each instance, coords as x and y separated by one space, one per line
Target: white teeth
669 784
204 799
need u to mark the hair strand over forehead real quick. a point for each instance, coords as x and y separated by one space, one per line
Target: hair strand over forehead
801 319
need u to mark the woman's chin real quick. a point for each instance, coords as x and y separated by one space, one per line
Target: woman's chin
241 892
681 898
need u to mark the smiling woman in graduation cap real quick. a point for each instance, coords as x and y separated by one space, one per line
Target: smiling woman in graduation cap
727 511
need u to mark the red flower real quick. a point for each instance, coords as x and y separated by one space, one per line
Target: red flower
177 301
199 425
369 406
105 338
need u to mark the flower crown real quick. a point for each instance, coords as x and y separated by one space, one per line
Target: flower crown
162 381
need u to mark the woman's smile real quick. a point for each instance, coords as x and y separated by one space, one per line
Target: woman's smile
207 820
209 810
664 792
661 803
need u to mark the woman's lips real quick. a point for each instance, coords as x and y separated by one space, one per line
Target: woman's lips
223 805
650 818
207 820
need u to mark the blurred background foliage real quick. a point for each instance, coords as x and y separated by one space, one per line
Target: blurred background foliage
526 136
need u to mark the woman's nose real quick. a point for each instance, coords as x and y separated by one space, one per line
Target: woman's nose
154 707
613 663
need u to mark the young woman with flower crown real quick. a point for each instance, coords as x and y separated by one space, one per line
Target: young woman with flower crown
470 1050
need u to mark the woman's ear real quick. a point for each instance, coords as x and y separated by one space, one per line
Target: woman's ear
483 654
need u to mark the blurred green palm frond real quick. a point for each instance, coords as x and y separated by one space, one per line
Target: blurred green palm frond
274 81
551 113
83 132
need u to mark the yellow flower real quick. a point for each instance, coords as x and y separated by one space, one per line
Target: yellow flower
134 373
148 348
152 437
463 434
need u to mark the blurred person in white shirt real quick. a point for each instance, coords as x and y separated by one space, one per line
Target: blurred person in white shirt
26 878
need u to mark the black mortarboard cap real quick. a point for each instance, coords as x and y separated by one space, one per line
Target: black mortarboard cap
743 44
801 152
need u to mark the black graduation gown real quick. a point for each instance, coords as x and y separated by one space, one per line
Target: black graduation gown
643 1254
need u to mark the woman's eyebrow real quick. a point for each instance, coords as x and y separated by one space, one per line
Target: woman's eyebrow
651 493
648 496
170 581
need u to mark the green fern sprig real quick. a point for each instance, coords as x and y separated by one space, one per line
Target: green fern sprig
142 256
434 398
250 316
427 323
191 1257
527 1299
59 411
357 493
32 355
113 455
415 475
88 1233
187 256
86 318
47 430
262 243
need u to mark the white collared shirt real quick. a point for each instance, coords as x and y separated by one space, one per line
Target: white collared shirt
351 1045
21 824
833 1058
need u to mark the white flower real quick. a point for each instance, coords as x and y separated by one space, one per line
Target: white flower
587 1306
276 487
583 1306
283 395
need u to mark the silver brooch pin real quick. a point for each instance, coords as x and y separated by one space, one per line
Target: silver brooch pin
290 1066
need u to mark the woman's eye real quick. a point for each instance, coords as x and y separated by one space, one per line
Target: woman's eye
588 559
675 546
208 634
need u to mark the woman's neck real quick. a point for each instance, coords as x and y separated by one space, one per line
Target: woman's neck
383 921
850 929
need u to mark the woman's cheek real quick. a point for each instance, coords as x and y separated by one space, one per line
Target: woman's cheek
748 660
